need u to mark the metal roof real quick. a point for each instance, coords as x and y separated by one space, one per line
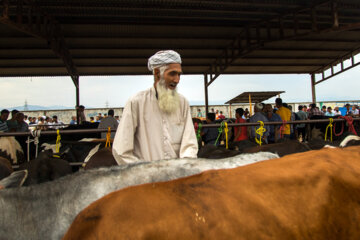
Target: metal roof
116 37
256 97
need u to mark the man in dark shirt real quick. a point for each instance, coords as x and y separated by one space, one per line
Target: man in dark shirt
210 135
4 116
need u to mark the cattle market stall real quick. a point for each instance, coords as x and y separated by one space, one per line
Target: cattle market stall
88 37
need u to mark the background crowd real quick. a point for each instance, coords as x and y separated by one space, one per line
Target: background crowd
281 112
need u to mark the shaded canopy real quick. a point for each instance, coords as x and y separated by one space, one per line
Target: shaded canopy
116 37
256 97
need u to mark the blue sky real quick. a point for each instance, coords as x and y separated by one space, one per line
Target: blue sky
115 90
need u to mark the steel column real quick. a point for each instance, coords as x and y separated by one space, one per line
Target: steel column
313 88
77 92
206 94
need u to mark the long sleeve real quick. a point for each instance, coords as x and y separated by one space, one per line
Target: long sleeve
189 145
123 145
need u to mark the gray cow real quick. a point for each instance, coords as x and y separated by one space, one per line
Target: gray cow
45 211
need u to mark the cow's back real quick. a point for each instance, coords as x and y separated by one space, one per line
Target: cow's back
312 195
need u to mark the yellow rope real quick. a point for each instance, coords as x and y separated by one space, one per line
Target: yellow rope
108 137
329 126
259 131
58 138
226 135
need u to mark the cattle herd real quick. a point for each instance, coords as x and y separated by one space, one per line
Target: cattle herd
303 191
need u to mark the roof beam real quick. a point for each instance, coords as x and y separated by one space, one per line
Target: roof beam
341 61
32 20
237 49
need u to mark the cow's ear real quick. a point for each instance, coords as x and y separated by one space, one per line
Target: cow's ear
16 179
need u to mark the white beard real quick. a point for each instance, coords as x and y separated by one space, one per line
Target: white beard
168 99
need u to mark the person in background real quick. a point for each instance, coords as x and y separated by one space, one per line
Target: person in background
217 114
56 122
354 110
48 121
301 127
92 119
99 117
41 124
314 111
199 113
274 134
323 109
258 116
26 119
337 111
107 122
209 135
73 120
329 112
246 113
33 121
3 118
22 126
240 131
285 115
221 116
305 109
117 119
12 123
348 111
81 113
293 127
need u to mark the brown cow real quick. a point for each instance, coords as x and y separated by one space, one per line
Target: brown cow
311 195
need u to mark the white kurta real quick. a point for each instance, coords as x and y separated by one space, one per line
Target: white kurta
145 133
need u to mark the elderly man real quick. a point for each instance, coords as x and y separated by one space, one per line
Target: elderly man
156 123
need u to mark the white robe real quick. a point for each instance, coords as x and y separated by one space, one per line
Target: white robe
145 133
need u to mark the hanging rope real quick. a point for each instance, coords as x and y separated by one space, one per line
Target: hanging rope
198 128
108 138
220 130
259 131
329 126
282 129
341 131
226 130
57 145
36 135
349 120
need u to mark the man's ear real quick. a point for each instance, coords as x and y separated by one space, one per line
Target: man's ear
157 74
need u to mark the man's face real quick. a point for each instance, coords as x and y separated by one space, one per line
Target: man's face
4 116
172 76
268 108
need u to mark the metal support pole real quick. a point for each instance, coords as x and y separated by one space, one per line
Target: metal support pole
206 94
77 89
313 88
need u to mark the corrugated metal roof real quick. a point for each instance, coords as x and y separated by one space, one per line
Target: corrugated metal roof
256 97
117 37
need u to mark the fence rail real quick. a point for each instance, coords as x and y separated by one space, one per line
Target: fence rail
53 132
